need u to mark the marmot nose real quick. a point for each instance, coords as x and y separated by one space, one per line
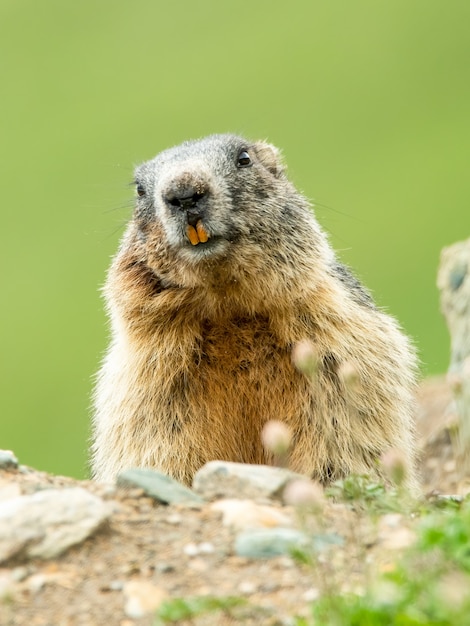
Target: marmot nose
184 201
187 200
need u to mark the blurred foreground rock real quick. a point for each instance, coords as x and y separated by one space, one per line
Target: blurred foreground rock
454 285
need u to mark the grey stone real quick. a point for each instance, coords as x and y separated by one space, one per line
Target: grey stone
159 486
8 459
218 479
280 541
268 543
45 524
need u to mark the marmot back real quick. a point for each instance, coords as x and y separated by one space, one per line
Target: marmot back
222 270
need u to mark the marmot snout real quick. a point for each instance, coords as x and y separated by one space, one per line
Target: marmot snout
221 272
187 198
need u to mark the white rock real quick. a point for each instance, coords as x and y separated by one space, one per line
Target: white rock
48 522
191 549
222 478
194 549
242 514
247 588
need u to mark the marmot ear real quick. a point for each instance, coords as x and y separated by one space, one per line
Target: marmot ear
270 157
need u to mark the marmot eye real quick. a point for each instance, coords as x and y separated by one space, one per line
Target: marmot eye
140 189
243 159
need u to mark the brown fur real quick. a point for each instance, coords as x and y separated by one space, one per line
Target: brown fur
202 338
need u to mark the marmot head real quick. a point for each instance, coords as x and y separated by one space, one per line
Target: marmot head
211 193
223 207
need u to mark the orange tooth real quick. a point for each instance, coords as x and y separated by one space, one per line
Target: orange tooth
201 231
192 234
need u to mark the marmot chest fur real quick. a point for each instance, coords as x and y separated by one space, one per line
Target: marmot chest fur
222 270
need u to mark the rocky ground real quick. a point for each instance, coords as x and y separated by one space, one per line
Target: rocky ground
139 553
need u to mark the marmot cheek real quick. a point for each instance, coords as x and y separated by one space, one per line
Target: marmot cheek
198 234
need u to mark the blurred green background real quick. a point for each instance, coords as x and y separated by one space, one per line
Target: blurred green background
369 101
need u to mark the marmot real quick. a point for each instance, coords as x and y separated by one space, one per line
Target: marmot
221 271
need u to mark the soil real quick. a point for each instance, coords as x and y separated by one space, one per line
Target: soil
149 552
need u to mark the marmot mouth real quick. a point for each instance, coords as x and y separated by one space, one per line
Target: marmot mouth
197 234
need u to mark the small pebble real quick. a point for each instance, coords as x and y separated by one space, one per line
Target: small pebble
142 598
36 582
206 548
116 585
191 549
311 595
164 568
247 588
20 573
